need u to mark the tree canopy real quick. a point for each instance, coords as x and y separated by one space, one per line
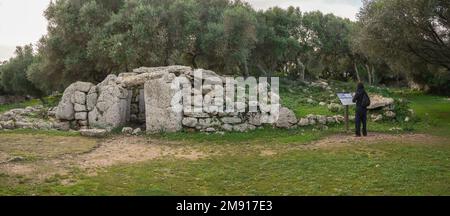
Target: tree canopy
393 40
411 36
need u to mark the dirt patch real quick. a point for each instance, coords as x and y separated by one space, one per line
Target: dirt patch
347 140
268 153
133 150
109 152
343 140
4 157
40 146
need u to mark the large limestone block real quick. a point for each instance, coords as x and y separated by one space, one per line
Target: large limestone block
65 109
79 97
378 101
80 108
91 98
81 115
175 69
83 86
138 80
112 107
286 118
160 116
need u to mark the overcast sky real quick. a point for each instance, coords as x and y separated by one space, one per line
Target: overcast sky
22 21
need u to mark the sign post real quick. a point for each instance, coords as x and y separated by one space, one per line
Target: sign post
346 100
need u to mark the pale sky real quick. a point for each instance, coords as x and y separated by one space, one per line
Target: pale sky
22 21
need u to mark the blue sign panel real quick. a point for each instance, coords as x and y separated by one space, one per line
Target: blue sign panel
346 98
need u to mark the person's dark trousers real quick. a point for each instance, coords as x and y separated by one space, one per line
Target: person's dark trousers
361 118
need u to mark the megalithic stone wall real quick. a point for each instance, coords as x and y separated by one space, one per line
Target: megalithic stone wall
123 98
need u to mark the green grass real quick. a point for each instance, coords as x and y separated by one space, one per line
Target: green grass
433 113
51 101
266 135
420 167
383 169
38 146
41 132
6 107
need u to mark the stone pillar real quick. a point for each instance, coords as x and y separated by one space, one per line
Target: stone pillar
160 117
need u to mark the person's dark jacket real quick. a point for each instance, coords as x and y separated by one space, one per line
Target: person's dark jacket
358 98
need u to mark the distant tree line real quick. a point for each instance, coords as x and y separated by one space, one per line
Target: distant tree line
393 40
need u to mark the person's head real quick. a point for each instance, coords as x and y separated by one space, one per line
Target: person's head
360 86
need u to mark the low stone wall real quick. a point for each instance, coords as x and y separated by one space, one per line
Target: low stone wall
37 118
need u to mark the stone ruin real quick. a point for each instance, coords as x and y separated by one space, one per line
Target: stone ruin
144 97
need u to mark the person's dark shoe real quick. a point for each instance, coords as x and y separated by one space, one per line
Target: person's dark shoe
358 135
364 135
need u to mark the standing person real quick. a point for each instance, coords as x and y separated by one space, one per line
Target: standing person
362 101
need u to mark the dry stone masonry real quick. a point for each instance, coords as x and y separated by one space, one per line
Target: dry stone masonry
146 96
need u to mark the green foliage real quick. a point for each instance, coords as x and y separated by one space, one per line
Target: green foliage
89 39
51 101
411 37
14 73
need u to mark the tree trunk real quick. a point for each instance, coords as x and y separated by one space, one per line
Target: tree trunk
373 74
194 62
357 72
301 68
263 70
246 74
368 74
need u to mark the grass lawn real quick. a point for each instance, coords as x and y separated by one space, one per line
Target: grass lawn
263 162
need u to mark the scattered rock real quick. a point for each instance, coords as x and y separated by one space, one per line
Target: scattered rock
395 129
62 126
24 125
94 132
331 120
8 124
16 159
333 107
390 114
137 131
127 130
303 122
322 119
376 118
378 101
